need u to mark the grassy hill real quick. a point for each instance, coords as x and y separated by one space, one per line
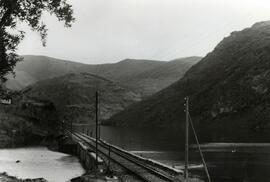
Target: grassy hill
141 76
73 96
125 68
228 89
151 81
36 68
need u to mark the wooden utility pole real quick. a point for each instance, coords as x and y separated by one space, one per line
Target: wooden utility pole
99 132
62 127
187 137
96 131
109 163
71 126
199 147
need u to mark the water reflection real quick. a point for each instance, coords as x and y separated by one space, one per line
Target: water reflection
144 139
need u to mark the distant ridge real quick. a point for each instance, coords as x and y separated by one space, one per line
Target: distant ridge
36 68
134 74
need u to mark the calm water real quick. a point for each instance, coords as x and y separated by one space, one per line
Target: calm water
137 139
226 164
39 162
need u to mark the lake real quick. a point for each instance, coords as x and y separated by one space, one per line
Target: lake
227 163
36 162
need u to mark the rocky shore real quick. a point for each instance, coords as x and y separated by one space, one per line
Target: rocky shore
4 177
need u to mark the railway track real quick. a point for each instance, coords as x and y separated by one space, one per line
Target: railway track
142 171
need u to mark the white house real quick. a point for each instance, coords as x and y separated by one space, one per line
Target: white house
5 101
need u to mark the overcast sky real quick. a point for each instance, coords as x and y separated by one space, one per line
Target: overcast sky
112 30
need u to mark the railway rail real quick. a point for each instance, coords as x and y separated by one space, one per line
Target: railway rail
137 167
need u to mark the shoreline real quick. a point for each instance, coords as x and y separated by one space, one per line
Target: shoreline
5 177
7 174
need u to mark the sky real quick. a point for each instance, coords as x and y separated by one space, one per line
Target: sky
108 31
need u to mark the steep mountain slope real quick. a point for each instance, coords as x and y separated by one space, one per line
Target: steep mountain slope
142 76
156 79
228 89
35 68
73 96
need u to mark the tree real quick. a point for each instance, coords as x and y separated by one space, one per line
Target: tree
13 12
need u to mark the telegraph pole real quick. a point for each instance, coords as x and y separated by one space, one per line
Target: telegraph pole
71 126
99 132
109 163
187 137
96 131
62 127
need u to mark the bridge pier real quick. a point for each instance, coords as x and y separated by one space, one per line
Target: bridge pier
67 145
86 155
88 158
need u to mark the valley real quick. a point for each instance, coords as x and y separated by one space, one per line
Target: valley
141 104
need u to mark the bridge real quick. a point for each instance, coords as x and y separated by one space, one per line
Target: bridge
100 157
110 159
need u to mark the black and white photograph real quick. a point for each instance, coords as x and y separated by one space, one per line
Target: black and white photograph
134 91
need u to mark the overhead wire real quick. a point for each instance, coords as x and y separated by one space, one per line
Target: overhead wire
199 148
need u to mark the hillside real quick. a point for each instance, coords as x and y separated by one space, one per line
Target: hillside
141 76
73 96
36 68
229 92
156 79
126 68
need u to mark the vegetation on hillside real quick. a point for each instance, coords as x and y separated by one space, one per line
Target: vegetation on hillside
73 96
151 81
24 123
